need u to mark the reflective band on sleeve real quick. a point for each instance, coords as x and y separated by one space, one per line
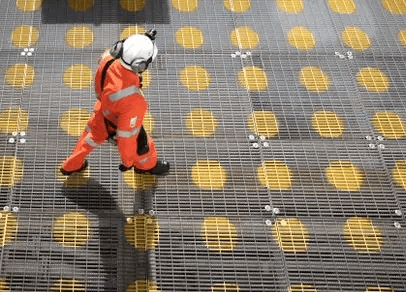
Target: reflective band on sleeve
124 93
91 142
128 134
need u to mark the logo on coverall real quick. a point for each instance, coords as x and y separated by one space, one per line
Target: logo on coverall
133 121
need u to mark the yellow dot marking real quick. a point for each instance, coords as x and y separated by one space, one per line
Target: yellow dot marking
290 6
201 122
195 78
395 6
149 123
209 174
139 181
72 229
219 234
68 285
189 37
11 171
29 5
78 76
185 5
225 287
244 37
399 173
402 37
328 124
379 289
253 78
79 36
238 6
342 6
275 175
13 119
4 286
362 235
345 176
302 288
75 180
263 123
20 75
356 38
390 125
130 30
142 286
8 228
314 79
80 5
74 121
301 38
24 36
133 5
142 232
291 235
373 79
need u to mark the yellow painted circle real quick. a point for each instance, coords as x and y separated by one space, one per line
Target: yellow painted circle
362 235
244 37
379 289
75 180
79 36
302 288
342 6
78 76
24 36
399 173
314 79
195 78
291 234
133 5
356 38
20 75
225 287
139 181
142 232
263 123
142 286
275 175
345 175
238 6
402 37
68 285
131 30
72 229
395 6
149 123
4 286
290 6
328 124
201 122
390 125
373 79
189 37
74 121
8 228
209 174
185 5
219 234
11 171
301 38
13 119
253 78
80 5
29 5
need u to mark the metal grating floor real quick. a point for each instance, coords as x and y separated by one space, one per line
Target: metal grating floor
284 122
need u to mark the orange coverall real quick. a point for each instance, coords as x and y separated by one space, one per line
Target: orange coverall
122 103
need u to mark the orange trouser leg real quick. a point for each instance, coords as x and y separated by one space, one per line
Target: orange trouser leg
148 160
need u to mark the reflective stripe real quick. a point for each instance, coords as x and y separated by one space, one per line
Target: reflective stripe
142 161
128 134
106 113
91 142
124 93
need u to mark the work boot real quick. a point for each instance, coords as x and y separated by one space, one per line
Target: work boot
84 166
161 168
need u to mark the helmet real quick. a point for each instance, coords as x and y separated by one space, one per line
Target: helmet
137 51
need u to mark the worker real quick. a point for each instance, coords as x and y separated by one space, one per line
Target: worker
120 109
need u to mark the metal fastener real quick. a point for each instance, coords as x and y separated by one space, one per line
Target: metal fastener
11 140
141 211
284 222
22 134
151 212
381 146
368 138
398 212
6 208
251 137
244 56
266 144
372 146
268 208
397 225
22 140
380 138
16 209
255 145
15 134
268 222
248 53
237 53
262 138
276 211
129 220
233 55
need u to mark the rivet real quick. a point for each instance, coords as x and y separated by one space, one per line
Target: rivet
29 54
31 49
342 56
350 57
268 208
6 208
15 134
151 212
233 56
25 49
381 146
141 211
262 138
251 137
22 53
129 220
276 211
380 138
22 134
237 53
397 225
11 140
337 53
244 56
266 144
268 222
398 212
368 138
248 53
372 146
15 209
22 140
255 145
284 222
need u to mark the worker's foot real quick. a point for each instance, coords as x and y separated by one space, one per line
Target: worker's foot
161 168
84 166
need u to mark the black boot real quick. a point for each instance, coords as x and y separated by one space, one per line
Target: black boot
84 166
161 168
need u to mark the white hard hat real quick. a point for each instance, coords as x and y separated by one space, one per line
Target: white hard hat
138 51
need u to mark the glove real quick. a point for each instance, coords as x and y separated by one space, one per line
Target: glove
122 168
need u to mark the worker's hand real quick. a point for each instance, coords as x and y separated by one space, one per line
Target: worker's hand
122 168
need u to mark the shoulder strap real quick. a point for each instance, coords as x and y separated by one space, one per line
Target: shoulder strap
105 71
